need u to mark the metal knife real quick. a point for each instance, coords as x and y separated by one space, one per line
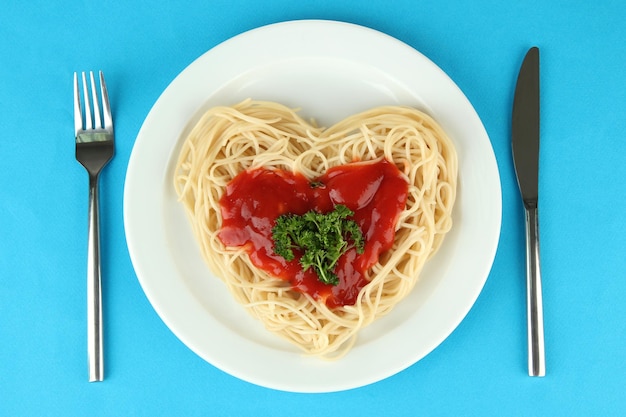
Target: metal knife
525 144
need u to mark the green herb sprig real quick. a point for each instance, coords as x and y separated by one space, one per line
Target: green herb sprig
322 238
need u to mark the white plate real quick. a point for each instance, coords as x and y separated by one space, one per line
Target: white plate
330 70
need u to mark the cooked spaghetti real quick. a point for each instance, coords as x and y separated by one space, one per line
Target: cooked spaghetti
256 134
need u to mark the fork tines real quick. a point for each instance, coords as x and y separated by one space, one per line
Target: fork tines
87 120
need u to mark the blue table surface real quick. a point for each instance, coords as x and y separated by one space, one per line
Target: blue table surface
479 370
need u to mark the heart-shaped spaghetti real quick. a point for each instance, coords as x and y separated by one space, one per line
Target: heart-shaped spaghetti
254 134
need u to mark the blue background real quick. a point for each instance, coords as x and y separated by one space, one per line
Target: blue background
479 370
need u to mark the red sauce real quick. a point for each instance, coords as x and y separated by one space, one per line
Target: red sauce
375 191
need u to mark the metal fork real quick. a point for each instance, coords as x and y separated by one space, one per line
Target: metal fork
95 146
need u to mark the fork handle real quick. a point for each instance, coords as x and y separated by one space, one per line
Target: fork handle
94 287
534 304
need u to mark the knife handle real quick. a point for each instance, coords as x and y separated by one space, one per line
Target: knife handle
534 304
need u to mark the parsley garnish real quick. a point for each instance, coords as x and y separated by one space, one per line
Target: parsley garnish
322 238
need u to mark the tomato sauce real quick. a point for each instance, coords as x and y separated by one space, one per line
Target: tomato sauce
375 191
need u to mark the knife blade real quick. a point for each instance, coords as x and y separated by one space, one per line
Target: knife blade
525 146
